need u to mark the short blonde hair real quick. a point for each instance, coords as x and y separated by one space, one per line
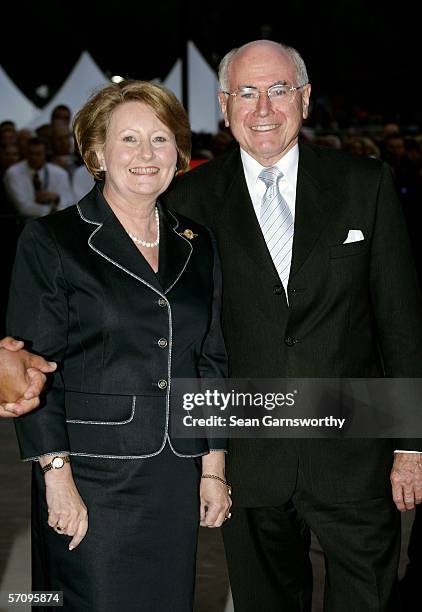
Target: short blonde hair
91 122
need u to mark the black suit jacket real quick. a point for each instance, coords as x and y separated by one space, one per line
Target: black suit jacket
84 296
354 309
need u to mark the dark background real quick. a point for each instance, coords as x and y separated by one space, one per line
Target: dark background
362 55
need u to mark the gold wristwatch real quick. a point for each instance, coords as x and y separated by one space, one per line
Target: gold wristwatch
56 463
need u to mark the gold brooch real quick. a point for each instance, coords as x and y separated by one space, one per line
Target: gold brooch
188 234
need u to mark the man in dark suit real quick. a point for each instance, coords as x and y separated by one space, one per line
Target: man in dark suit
343 302
346 305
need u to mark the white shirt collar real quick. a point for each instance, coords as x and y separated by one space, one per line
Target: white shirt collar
288 165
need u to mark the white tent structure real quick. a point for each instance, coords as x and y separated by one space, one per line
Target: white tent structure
13 104
84 79
173 81
204 112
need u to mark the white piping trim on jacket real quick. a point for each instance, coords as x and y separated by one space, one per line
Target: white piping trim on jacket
49 454
135 456
191 250
80 422
181 454
171 344
116 456
166 433
162 295
187 261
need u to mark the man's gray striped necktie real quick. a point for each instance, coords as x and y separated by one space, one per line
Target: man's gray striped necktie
277 223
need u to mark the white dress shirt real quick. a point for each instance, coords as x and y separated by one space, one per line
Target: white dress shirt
18 181
82 182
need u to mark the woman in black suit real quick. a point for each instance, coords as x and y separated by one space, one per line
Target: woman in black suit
125 295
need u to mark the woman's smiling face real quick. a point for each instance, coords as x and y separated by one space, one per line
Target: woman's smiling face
139 155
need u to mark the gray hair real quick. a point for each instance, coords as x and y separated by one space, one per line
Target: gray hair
226 62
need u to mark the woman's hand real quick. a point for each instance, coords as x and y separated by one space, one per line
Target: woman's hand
214 494
67 513
215 502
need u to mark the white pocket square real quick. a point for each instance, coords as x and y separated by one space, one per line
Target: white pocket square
354 236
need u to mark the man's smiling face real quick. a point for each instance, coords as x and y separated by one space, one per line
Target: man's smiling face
268 127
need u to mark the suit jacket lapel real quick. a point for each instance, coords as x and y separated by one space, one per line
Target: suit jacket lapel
314 202
175 250
313 205
110 241
242 223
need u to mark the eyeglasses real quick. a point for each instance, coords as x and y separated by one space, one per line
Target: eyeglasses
280 93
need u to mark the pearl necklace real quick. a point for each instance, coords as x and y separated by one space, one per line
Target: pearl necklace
144 243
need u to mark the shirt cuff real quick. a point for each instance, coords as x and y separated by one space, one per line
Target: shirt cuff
409 452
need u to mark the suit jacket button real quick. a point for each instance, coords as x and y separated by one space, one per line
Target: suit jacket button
162 343
290 341
162 302
162 384
278 289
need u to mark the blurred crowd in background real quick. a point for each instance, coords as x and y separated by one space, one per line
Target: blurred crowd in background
41 171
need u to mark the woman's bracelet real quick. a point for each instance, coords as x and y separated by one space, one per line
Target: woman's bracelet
224 482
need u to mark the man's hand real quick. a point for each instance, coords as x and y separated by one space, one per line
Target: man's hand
22 378
406 480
